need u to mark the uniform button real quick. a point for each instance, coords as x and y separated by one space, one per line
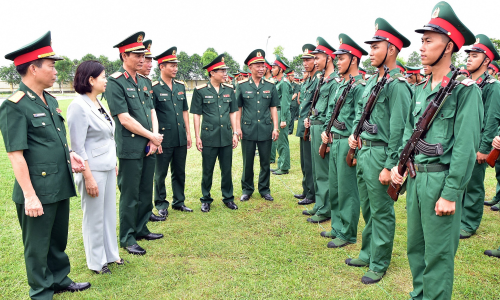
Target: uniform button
245 122
206 128
221 116
133 135
176 104
58 129
208 101
258 101
133 96
258 111
68 161
142 102
65 145
222 126
43 174
179 124
257 93
220 106
258 120
177 113
43 123
163 128
151 129
52 113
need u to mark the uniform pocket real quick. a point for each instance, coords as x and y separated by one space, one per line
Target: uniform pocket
209 105
443 123
246 122
42 127
133 100
43 178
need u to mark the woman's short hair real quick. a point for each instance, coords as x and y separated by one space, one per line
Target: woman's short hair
87 69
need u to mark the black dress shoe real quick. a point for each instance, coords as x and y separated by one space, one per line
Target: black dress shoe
155 218
150 236
301 196
205 207
135 249
306 201
268 197
75 287
183 208
244 197
231 205
163 212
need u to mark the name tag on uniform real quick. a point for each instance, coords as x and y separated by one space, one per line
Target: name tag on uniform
209 97
266 92
180 93
39 115
418 102
248 92
131 89
226 96
163 94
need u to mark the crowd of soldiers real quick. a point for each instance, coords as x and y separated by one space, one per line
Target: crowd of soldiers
357 145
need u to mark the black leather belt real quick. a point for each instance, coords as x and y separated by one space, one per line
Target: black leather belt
374 144
337 136
431 168
317 122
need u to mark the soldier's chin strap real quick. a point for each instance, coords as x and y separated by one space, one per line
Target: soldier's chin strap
387 52
474 71
442 54
350 62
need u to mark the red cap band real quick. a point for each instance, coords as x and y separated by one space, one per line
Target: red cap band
280 65
401 69
268 66
362 72
487 51
217 65
352 50
327 51
130 47
391 38
494 68
453 33
413 72
33 55
167 58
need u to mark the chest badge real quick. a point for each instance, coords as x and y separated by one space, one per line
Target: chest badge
266 92
226 96
145 89
58 110
180 93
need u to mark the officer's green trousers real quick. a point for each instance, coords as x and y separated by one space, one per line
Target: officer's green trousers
274 148
473 203
248 151
209 157
497 176
294 113
45 238
135 181
377 209
306 167
320 172
176 158
432 240
344 196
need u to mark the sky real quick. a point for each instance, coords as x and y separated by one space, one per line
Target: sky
238 27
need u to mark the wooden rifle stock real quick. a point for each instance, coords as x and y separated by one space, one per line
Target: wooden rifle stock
492 157
313 105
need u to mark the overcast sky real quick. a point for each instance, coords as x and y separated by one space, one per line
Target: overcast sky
238 27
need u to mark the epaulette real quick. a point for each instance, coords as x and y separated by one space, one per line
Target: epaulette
179 81
397 75
144 76
16 97
116 74
242 81
269 80
201 86
361 81
492 80
50 95
402 79
338 79
421 82
228 85
467 82
155 83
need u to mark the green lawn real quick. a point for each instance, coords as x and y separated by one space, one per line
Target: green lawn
264 250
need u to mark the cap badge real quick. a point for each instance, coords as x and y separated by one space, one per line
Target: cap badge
435 14
140 38
376 27
306 51
259 54
317 42
340 41
149 47
222 60
173 52
477 41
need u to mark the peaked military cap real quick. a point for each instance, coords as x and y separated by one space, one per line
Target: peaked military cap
484 45
132 44
494 66
236 73
347 45
216 64
385 32
267 64
256 56
463 70
170 55
40 48
289 71
306 51
323 47
147 45
280 63
362 71
445 21
401 67
412 70
230 75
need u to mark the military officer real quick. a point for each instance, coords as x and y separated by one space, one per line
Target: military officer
493 68
34 135
402 68
258 118
496 145
434 196
323 60
306 93
480 55
269 74
236 75
215 101
344 197
362 72
413 75
294 105
463 70
137 139
380 151
171 107
284 88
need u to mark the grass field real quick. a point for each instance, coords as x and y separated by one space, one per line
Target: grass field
264 250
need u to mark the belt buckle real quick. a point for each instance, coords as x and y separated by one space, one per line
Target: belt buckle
416 168
364 142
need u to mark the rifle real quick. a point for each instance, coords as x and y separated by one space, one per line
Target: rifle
313 105
333 120
483 83
494 153
367 111
415 143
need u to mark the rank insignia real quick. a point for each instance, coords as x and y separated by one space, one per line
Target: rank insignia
58 110
266 92
180 93
226 96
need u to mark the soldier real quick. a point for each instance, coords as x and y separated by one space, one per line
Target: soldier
401 67
269 74
481 54
434 196
463 70
306 93
137 139
362 72
34 135
215 101
344 197
257 101
173 123
284 89
413 75
493 68
294 105
234 82
496 145
379 152
323 60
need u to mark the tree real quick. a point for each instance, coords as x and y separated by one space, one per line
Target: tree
10 75
230 62
456 59
367 65
88 56
184 66
279 51
414 60
197 72
65 71
296 64
156 73
401 60
207 58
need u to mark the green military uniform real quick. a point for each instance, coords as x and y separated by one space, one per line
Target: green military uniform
401 67
216 135
344 196
322 209
294 106
472 210
38 130
379 151
284 89
432 239
170 105
413 71
135 179
306 94
256 126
